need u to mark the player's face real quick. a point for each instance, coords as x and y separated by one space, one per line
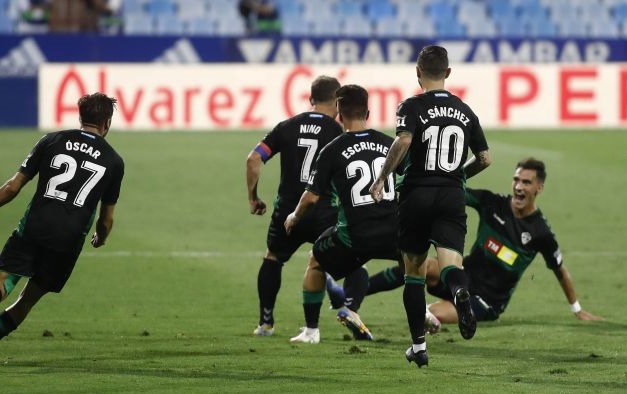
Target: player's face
525 188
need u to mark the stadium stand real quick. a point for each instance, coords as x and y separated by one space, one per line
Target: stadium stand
379 18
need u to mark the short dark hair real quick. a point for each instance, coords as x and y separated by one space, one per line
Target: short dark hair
531 163
323 89
95 109
433 62
352 102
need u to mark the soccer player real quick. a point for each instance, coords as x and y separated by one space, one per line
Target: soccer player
364 230
512 230
299 141
431 194
77 170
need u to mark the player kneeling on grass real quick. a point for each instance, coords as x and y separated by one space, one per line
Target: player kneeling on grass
365 230
77 169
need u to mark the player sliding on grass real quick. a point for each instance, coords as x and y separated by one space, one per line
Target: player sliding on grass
77 170
512 231
364 230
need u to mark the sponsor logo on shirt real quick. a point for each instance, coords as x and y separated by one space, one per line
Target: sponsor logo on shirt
501 251
525 238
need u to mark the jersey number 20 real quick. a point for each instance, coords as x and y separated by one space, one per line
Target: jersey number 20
359 191
97 172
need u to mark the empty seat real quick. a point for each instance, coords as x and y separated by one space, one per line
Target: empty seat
160 7
169 24
138 24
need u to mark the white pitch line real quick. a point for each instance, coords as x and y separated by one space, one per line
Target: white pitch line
178 254
202 254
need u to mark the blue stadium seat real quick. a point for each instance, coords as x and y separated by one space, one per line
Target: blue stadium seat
200 26
620 12
137 24
420 28
542 29
191 9
160 7
604 28
357 27
169 24
389 27
133 7
326 27
572 28
348 9
510 27
379 9
450 29
480 28
295 27
7 25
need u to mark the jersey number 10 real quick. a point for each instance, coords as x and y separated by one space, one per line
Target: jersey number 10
440 151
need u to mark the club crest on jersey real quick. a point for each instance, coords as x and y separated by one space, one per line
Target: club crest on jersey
400 121
525 238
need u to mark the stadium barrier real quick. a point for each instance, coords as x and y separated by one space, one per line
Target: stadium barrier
245 96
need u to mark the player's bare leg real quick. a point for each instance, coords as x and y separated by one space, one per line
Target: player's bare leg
15 314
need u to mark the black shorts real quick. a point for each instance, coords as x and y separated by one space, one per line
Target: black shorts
49 269
432 215
310 226
338 259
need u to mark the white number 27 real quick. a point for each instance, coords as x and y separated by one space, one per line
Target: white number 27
97 172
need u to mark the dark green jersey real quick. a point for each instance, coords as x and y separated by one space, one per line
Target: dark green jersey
505 246
77 170
443 128
299 140
349 165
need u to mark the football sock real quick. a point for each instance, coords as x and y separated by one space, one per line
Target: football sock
9 283
415 307
454 278
335 291
312 302
388 279
7 324
268 285
355 288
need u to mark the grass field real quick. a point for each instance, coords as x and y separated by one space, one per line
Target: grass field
169 304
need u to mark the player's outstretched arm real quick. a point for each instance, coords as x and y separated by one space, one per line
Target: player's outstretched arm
566 282
104 224
12 187
253 172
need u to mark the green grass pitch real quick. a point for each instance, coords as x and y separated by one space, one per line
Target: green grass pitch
169 304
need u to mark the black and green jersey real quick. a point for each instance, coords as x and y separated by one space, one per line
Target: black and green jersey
505 246
299 141
443 128
76 171
349 165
